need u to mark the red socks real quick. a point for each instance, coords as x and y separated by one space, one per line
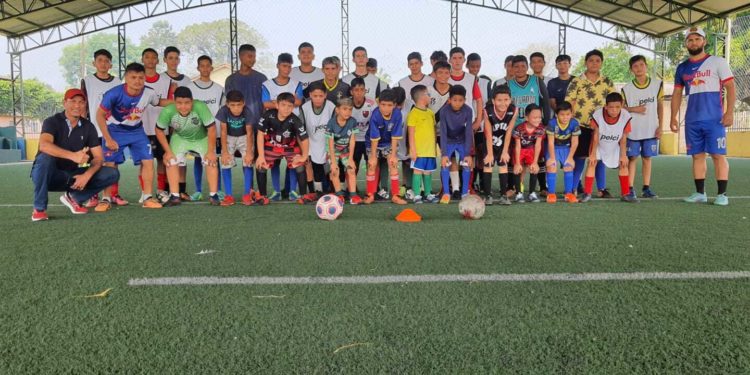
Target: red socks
588 185
161 181
624 185
140 181
114 189
395 185
372 184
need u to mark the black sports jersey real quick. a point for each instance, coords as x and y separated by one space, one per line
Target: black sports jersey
333 94
282 136
499 125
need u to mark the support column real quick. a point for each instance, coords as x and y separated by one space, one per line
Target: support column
454 24
562 36
233 43
17 94
345 37
121 50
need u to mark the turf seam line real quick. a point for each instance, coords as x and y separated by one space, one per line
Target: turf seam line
393 279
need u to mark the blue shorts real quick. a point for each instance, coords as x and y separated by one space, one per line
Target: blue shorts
424 164
645 148
705 136
135 140
456 148
561 154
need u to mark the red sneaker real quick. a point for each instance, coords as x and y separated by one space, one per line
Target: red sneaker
260 200
38 215
247 199
74 206
118 201
93 201
355 199
228 201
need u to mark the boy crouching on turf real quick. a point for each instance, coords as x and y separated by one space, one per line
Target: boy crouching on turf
422 146
562 141
236 136
341 141
193 131
528 138
281 134
499 116
611 126
386 130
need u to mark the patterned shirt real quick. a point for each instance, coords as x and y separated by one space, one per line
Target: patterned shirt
587 96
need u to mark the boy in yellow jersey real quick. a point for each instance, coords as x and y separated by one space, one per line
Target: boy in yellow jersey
422 150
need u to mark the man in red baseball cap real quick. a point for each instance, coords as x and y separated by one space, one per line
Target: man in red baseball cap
69 159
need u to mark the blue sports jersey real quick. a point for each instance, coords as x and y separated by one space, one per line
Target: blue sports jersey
703 81
384 131
125 110
562 136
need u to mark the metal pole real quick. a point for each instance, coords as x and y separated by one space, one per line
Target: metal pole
233 43
16 77
454 24
345 36
562 36
728 40
121 49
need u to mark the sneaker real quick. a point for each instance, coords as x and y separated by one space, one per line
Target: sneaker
247 199
275 196
355 199
630 198
605 194
93 201
417 199
72 205
504 201
721 200
383 194
369 198
221 195
214 200
103 206
488 201
184 197
397 199
647 193
519 198
228 201
294 195
551 198
571 198
696 198
586 198
261 200
196 197
117 200
152 202
173 201
162 196
341 195
308 198
431 198
445 199
39 215
456 195
532 198
409 194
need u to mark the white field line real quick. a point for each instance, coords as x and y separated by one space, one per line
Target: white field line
394 279
595 200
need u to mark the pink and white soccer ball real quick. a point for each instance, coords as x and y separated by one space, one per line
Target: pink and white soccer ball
329 207
471 207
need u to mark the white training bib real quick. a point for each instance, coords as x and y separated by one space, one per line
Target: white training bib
608 150
316 124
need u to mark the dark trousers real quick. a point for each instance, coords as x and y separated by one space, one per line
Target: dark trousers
47 177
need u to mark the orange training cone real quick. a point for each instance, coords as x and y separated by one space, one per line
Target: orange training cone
408 216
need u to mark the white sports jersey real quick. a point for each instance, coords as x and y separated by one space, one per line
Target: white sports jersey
316 124
362 115
94 88
407 84
403 151
467 81
271 90
610 134
181 80
305 78
484 87
210 93
644 124
373 85
151 114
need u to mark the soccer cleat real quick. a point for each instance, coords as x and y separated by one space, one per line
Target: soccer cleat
163 196
605 194
551 198
532 198
504 201
93 201
431 198
369 198
341 195
261 200
397 199
308 198
117 200
696 198
184 197
488 201
571 198
72 205
647 193
445 199
354 199
214 200
227 201
294 195
173 201
221 195
586 198
630 197
456 195
247 199
196 197
39 215
103 206
152 203
520 198
383 194
417 199
409 194
721 200
275 196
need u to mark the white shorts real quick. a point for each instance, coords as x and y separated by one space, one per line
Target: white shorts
235 144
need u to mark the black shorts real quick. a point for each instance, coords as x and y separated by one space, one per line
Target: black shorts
584 143
156 150
497 153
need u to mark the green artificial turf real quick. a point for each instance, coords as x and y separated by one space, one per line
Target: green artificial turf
655 326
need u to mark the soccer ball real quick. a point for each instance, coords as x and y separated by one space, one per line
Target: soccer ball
471 207
329 207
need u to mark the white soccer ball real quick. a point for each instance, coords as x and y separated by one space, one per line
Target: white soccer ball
329 207
471 207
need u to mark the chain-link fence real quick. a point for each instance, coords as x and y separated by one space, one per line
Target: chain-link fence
739 60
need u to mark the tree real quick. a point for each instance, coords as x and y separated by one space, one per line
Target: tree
70 61
616 62
158 37
550 52
41 100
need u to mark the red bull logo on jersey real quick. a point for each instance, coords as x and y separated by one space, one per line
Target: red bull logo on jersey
694 78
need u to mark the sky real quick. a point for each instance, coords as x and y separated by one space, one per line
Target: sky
390 31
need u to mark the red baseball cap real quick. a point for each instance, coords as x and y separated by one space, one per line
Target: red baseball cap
72 93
